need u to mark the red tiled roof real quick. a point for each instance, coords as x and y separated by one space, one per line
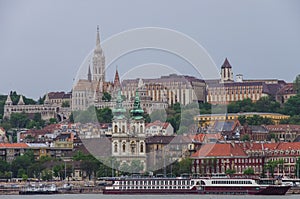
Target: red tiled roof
218 149
283 127
13 145
289 146
164 125
287 89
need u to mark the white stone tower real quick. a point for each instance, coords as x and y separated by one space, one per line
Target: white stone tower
98 61
226 72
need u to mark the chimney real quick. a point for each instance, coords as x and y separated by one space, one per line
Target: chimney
239 78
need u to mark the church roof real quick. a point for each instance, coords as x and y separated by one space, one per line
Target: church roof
119 111
226 64
137 112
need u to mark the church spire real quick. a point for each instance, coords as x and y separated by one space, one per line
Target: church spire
89 74
98 60
119 111
117 84
21 101
137 112
98 36
8 100
226 72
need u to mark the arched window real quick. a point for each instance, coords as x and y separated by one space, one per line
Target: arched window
124 147
123 129
142 147
141 128
116 147
116 129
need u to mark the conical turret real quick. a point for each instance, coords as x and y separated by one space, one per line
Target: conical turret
21 101
119 110
47 100
8 100
137 112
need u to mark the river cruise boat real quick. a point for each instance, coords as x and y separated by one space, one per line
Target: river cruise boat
38 189
234 186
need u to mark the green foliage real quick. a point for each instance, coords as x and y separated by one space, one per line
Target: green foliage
65 104
297 169
104 115
52 121
245 137
272 164
106 97
19 120
160 115
182 166
92 114
230 171
292 106
249 171
297 84
255 120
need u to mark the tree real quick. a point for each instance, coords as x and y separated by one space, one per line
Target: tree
267 104
65 104
292 106
249 171
297 170
106 97
160 115
104 115
297 84
230 171
19 120
246 137
272 164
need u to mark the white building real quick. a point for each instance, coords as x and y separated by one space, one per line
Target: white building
159 128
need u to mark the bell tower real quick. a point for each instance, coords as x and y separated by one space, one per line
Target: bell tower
226 72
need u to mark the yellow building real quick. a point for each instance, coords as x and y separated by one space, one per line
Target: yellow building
208 119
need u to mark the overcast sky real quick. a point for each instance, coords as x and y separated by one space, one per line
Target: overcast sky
44 42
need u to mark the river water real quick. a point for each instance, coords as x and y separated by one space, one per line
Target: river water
100 196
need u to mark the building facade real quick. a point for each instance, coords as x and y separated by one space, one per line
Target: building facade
128 139
170 89
226 90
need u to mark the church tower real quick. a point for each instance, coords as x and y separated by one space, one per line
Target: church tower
119 119
137 122
8 101
98 61
226 72
128 145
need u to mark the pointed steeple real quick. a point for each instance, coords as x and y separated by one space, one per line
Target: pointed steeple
98 61
137 112
140 83
47 100
226 72
98 47
8 100
98 37
226 64
89 74
21 101
117 79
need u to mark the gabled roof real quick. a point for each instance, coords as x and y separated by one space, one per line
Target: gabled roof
226 64
228 125
164 125
159 139
289 146
258 129
283 127
219 150
13 145
287 89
